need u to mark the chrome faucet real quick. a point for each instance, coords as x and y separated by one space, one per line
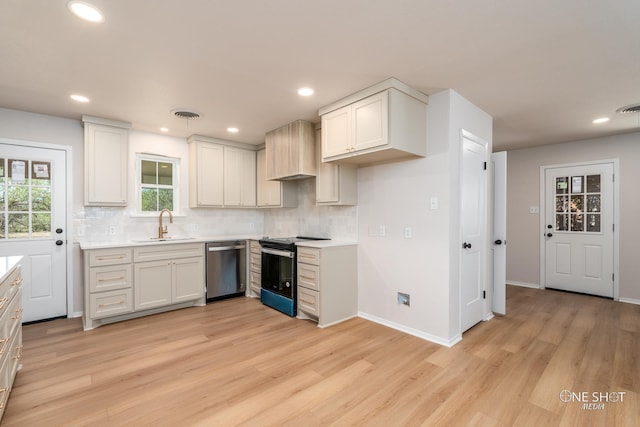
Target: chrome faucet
163 230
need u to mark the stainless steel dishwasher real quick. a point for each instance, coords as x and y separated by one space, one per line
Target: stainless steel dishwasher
226 269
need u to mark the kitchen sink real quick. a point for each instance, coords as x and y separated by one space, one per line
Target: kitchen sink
164 239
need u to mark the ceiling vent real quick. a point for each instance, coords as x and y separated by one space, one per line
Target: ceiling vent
183 113
633 108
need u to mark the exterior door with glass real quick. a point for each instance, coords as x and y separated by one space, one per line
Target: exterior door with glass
32 224
578 232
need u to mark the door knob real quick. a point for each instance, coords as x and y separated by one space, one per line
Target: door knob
466 245
498 242
59 230
549 234
59 242
549 226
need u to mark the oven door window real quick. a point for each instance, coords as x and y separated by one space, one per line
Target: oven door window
277 274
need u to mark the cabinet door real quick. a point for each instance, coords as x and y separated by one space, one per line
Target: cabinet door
327 178
106 165
152 284
336 132
188 279
210 175
248 185
370 121
232 176
269 192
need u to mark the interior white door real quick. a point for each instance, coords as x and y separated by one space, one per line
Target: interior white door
473 226
498 248
579 228
32 224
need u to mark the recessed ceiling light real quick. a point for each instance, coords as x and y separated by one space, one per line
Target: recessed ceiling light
232 130
79 98
164 130
600 120
305 91
85 11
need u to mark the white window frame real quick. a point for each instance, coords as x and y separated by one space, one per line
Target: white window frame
175 162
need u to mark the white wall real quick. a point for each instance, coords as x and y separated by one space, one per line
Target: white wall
396 196
307 219
523 228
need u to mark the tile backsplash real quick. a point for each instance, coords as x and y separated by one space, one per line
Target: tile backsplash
103 224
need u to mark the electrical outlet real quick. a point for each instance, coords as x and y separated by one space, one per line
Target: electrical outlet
404 299
433 203
382 231
112 230
408 232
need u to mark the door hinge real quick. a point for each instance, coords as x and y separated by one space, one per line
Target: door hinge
613 277
485 166
613 227
484 294
613 177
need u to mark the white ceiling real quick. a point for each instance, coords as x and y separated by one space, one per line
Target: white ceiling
544 70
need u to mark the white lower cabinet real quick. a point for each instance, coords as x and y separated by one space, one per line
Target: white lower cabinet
327 283
255 268
122 283
175 275
10 326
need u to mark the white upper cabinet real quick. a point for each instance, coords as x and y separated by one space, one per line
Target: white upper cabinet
106 155
385 122
290 151
221 175
273 194
239 177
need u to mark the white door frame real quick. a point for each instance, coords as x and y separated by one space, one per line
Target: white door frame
616 219
69 204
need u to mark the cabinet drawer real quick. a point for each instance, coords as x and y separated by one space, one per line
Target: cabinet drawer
9 288
111 256
10 322
309 276
110 303
309 255
110 278
168 251
12 353
254 247
255 277
309 301
255 262
255 287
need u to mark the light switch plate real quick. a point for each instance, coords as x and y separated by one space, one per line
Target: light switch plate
433 203
534 209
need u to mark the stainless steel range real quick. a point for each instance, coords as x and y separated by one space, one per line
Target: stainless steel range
279 272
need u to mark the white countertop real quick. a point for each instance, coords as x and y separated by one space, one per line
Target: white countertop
326 243
169 240
88 245
7 263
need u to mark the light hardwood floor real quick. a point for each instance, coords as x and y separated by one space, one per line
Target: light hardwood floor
239 362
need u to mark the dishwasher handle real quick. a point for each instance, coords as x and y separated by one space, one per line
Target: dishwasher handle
224 248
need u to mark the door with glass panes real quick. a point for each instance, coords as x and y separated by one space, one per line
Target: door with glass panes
33 225
579 228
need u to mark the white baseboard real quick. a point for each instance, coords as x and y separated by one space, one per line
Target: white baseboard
630 300
524 284
488 316
74 314
415 332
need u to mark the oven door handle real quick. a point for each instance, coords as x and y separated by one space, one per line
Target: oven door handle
276 252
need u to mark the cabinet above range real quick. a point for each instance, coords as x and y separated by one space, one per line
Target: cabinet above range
385 122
